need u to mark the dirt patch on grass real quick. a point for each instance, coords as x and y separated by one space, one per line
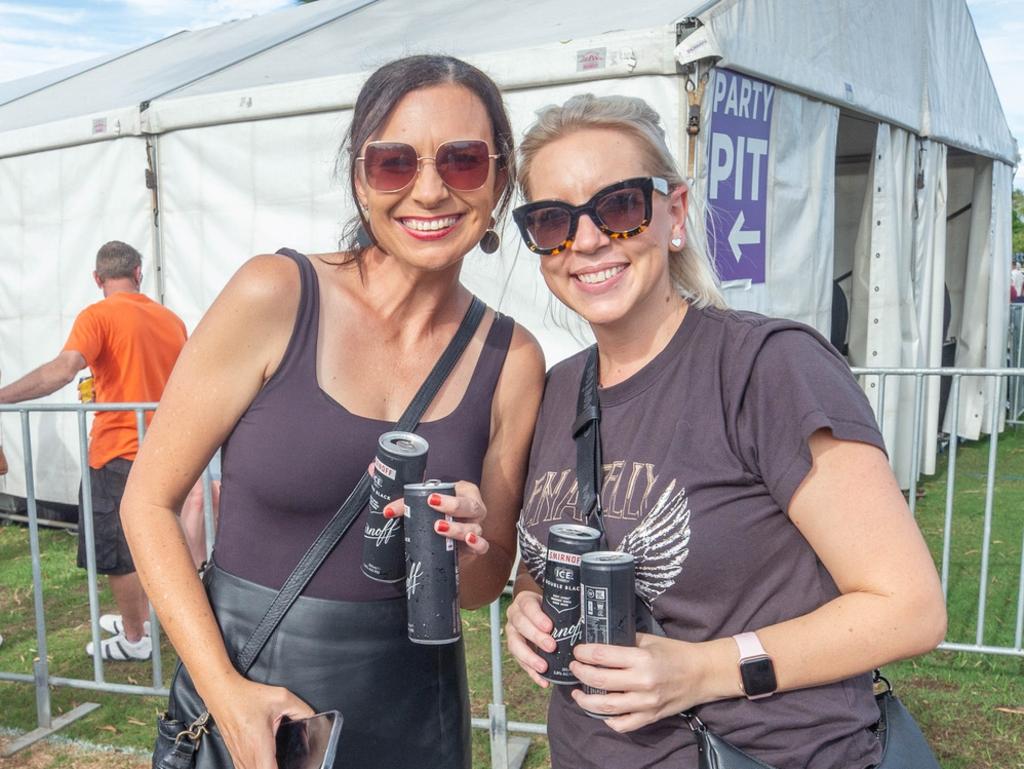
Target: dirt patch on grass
55 755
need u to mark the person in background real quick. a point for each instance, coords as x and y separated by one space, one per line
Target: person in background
130 344
743 470
298 367
1017 283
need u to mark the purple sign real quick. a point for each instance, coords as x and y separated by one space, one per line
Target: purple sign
741 121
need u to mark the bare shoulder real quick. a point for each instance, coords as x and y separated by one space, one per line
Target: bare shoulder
524 350
263 293
522 377
253 316
266 280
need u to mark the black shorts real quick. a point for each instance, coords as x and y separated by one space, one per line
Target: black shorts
112 553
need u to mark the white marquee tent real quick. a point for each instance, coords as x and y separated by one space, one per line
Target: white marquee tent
883 152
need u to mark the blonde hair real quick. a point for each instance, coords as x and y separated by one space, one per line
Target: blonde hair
691 270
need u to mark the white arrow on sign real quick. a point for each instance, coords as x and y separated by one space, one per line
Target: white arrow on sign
741 237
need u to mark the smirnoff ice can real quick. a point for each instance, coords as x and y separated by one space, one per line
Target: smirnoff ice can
567 543
431 569
401 458
609 602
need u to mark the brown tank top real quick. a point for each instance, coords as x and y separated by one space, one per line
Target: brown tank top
296 453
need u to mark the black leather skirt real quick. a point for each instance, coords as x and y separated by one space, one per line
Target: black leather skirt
405 706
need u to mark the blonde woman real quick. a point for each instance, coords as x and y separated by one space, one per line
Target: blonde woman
742 468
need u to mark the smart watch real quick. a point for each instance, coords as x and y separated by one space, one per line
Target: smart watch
757 672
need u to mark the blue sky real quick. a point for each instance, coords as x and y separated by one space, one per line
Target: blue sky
37 35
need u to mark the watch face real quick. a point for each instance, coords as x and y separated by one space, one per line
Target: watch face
758 676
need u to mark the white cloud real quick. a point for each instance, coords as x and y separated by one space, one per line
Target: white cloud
211 12
48 38
195 14
38 37
62 16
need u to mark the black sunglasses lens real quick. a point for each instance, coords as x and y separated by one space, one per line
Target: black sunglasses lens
548 227
622 210
389 166
463 165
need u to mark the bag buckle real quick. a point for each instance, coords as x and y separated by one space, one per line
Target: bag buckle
693 721
877 680
196 729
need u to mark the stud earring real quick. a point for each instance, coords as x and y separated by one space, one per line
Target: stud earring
363 238
676 242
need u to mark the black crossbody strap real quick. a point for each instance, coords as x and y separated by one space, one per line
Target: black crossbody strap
328 539
586 431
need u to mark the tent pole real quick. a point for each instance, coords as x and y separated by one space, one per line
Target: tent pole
153 184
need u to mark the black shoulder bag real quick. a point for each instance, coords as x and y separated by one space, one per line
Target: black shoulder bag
903 744
178 739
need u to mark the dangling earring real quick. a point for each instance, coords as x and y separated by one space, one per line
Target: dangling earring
363 237
490 242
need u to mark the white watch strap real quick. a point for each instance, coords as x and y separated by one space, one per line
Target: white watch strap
749 645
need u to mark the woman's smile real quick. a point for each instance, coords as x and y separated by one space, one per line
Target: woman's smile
599 277
430 227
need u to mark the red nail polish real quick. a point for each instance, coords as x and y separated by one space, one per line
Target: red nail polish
433 500
441 527
471 538
389 512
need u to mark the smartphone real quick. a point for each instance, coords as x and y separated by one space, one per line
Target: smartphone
309 743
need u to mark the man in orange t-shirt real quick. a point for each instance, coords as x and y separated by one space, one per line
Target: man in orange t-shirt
130 344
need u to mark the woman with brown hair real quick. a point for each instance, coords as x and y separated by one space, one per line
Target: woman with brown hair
297 368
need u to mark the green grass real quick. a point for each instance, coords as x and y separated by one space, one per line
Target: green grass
122 721
970 706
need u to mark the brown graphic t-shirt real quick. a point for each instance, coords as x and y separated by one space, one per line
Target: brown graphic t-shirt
703 449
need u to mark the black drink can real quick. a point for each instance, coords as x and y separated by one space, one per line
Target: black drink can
431 569
401 458
567 543
609 602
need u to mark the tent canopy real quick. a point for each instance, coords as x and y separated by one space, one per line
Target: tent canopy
916 64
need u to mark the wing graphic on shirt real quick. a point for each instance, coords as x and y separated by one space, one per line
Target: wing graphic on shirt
532 551
660 543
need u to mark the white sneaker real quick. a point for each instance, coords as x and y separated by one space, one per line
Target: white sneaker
120 649
113 624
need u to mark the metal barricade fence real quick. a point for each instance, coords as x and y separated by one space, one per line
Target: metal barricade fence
997 416
40 676
506 751
1015 384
